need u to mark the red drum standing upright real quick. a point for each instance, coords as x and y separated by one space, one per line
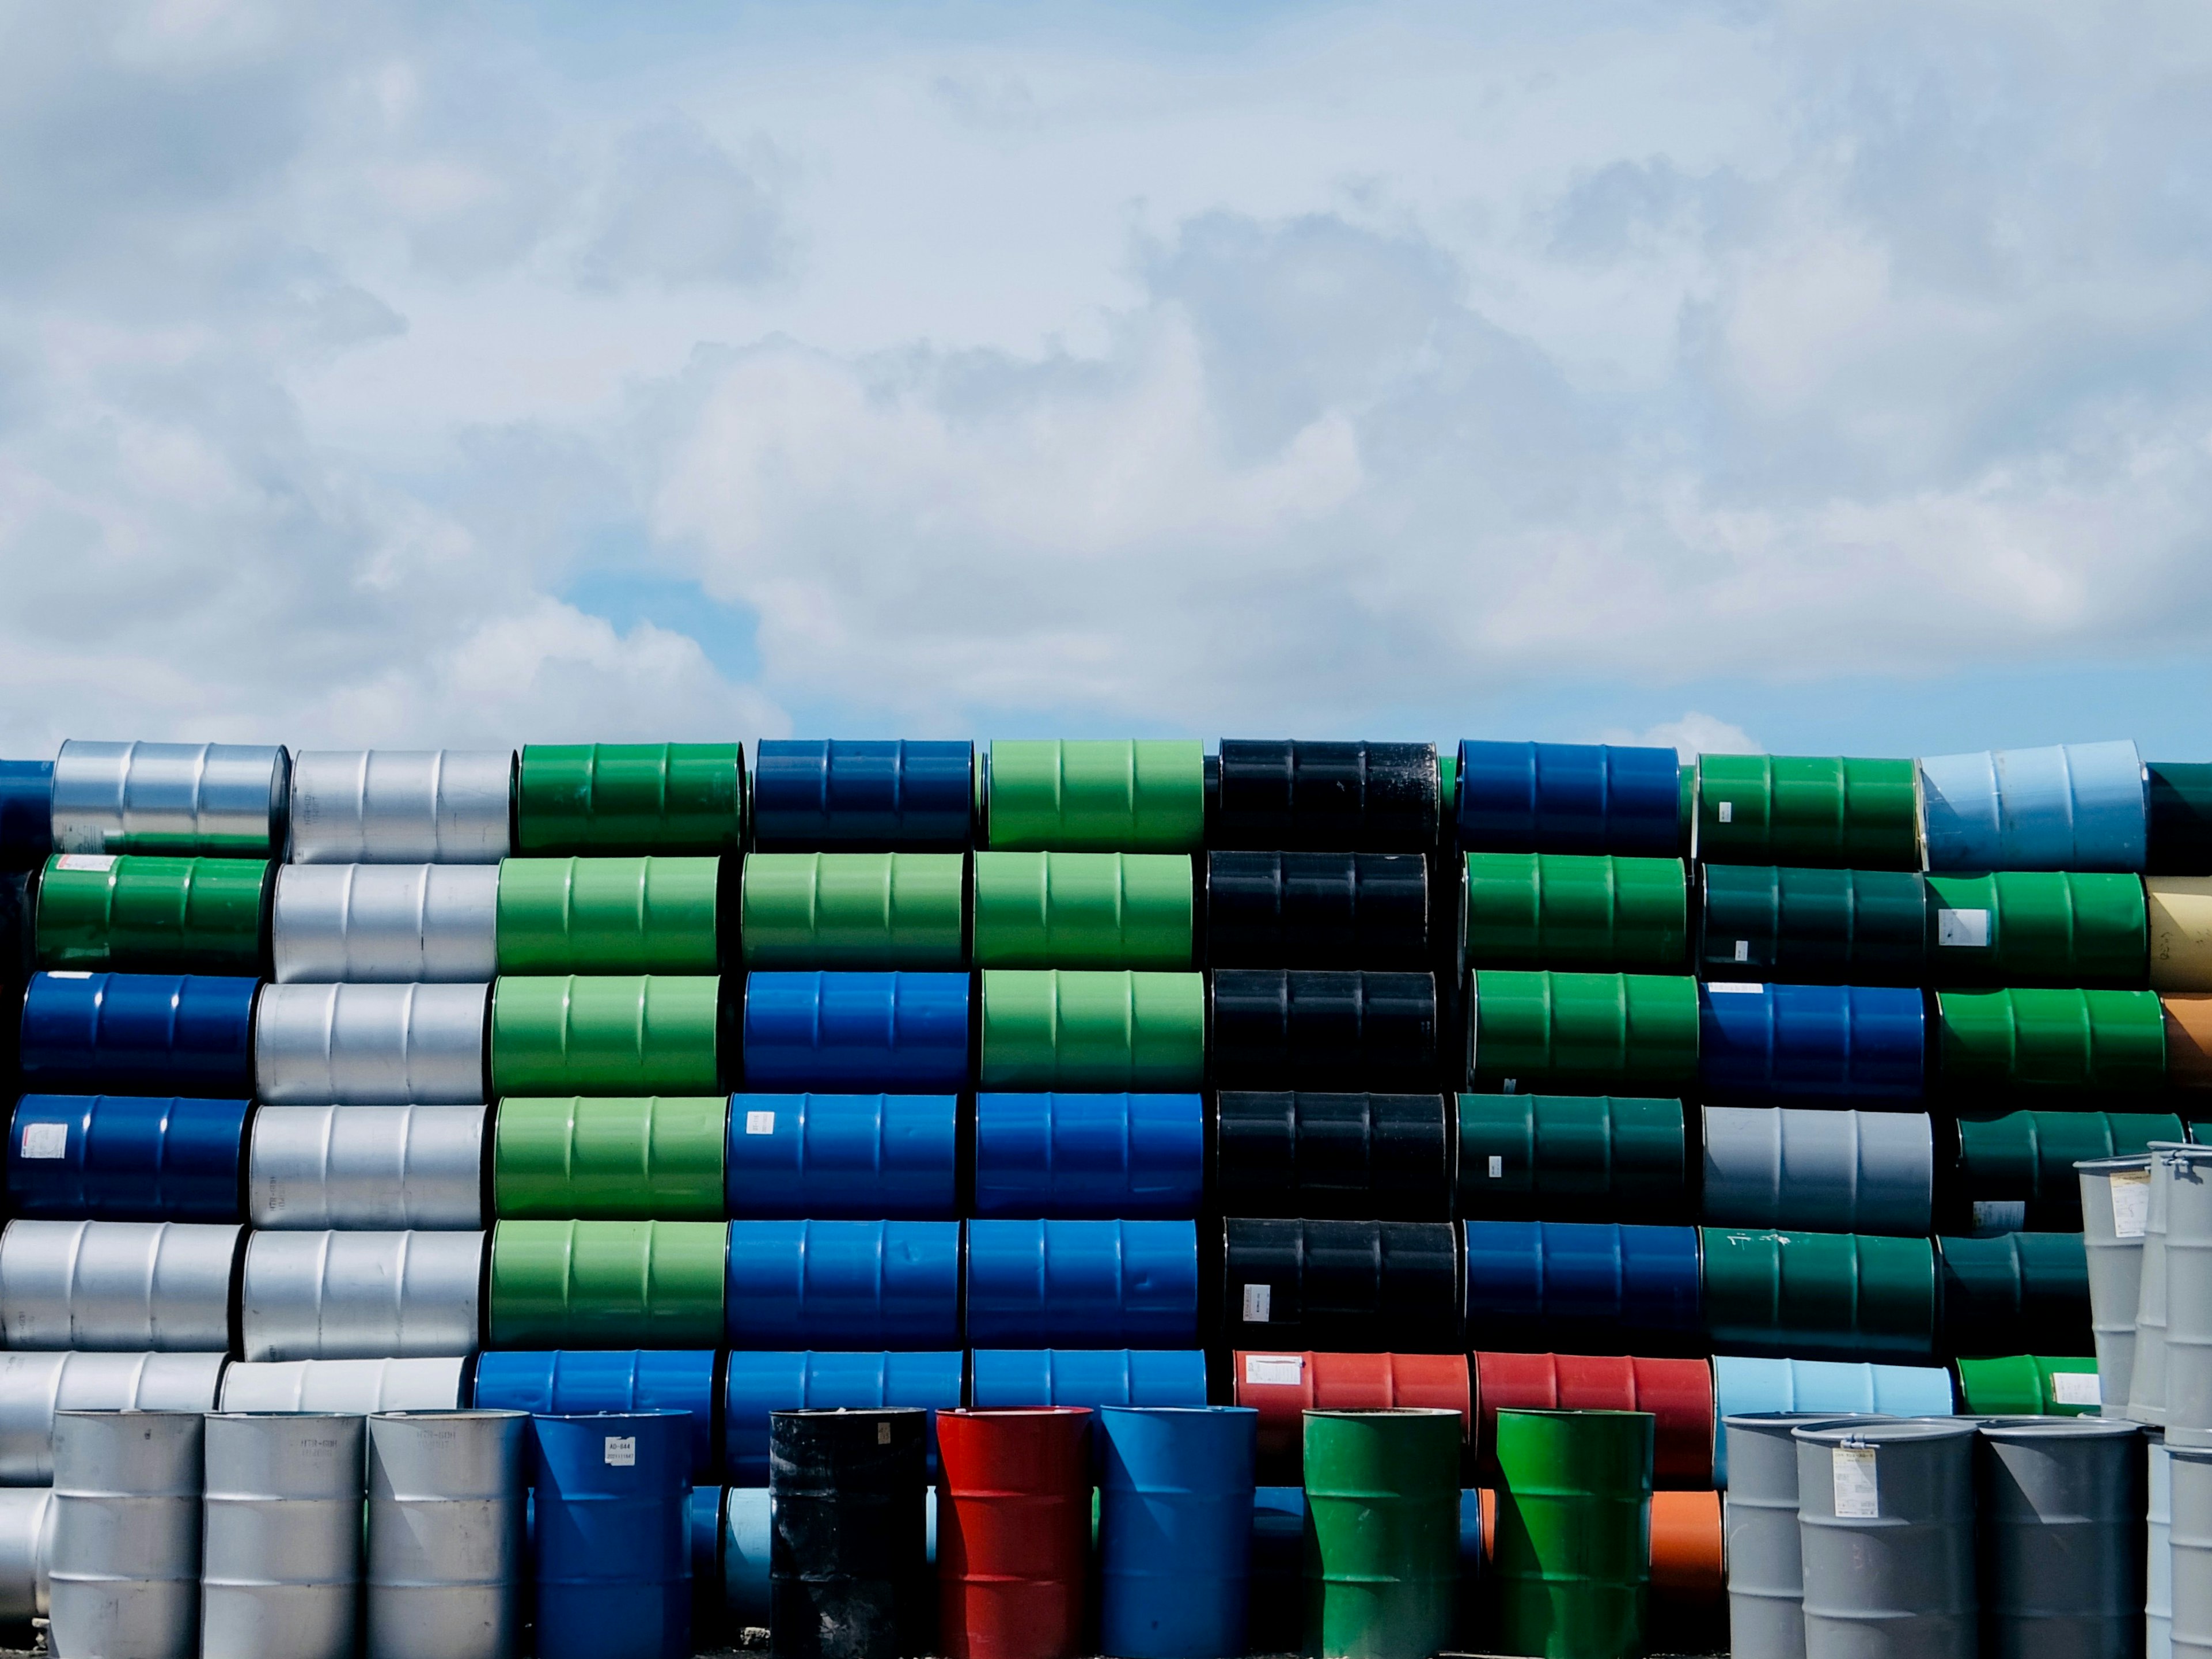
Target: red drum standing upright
1013 1531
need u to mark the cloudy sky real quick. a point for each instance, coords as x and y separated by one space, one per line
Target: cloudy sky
1812 377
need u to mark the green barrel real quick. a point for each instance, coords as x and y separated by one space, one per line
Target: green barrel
1566 1158
2052 1039
1685 809
1381 1533
139 912
2030 1385
631 798
853 910
1083 910
641 915
1061 796
2028 1157
1996 1291
1819 1296
2037 927
1801 809
607 1283
1571 1568
1539 1028
1806 926
610 1159
586 1034
1093 1032
1576 910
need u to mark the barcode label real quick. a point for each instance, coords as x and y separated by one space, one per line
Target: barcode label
1969 928
1722 986
1497 1166
1275 1370
1743 950
85 861
760 1123
2130 1202
2077 1388
45 1140
1258 1298
621 1451
1858 1493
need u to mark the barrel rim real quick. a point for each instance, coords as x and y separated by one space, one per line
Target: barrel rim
1897 1429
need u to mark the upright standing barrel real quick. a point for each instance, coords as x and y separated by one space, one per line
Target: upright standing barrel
138 1033
1058 795
1839 1388
1317 910
1100 1156
1810 927
354 1387
570 1381
848 1577
1543 1032
862 1285
224 798
827 1156
2072 806
1382 1536
1175 1529
1283 1387
1091 1031
1819 1295
34 1386
126 1549
629 797
2188 1173
1358 1287
1328 797
2114 1205
1082 1284
868 911
2158 1552
370 1045
1083 910
1293 1028
399 924
1885 1520
384 1167
1568 798
1856 1042
1839 1171
1572 1563
1086 1376
608 915
150 916
359 1295
2078 1040
125 1158
1013 1518
862 796
26 1542
1547 1157
1678 1393
606 1284
121 1286
1766 1565
401 806
2037 927
1995 1289
606 1033
612 1549
1540 1280
2189 1468
1349 1155
446 1528
759 1385
2058 1503
279 1550
1575 910
2147 1381
903 1032
1841 813
26 813
610 1158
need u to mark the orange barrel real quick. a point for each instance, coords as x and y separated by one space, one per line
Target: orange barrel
1284 1387
1677 1393
1013 1531
1688 1572
2188 1038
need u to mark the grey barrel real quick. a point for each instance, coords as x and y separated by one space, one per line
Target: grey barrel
1766 1571
34 1386
385 923
360 1295
1885 1522
125 1582
2158 1552
370 1045
26 1543
122 1286
1825 1171
2060 1503
401 806
445 1534
2187 1176
418 1168
357 1386
2115 1205
221 798
2190 1468
281 1544
2146 1381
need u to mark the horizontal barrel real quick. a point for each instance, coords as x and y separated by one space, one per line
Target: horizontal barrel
1282 1388
862 796
1095 1157
151 914
629 797
360 1296
1677 1393
1358 1287
1087 1377
26 813
125 1158
1576 910
1328 797
370 1045
1817 1042
221 798
2052 1039
608 915
1540 1031
903 1032
386 923
632 1035
2072 806
2037 927
2178 911
606 1284
86 1033
1285 1028
1352 1157
1995 1290
1569 798
401 806
1840 813
1092 796
1541 1280
34 1386
2029 1156
572 1383
853 911
356 1386
761 1383
1317 910
831 1157
1820 1294
1834 1172
1083 910
2030 1385
1058 1028
2187 1015
660 1159
1814 927
2179 802
121 1286
1743 1386
863 1285
1543 1156
1082 1284
382 1167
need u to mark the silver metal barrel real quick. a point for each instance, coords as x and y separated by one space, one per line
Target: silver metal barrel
1833 1171
445 1533
1885 1525
2158 1553
401 806
34 1386
1765 1575
2114 1205
126 1554
121 1286
2190 1470
26 1544
2188 1290
279 1550
2059 1503
2147 1381
360 1296
370 1045
358 1386
218 798
386 923
353 1167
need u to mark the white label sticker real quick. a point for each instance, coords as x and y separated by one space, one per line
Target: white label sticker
1743 950
2000 1216
2130 1202
85 861
1728 811
760 1123
2076 1388
1511 1085
1497 1166
68 973
45 1140
883 1434
1720 986
1859 1495
1969 928
1275 1370
621 1451
1257 1300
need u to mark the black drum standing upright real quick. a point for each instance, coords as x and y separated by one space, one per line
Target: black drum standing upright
848 1572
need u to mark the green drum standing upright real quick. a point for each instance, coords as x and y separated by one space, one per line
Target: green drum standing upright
578 1034
606 915
1571 1566
1382 1534
1576 910
1813 809
1063 796
2072 1039
1084 910
1580 1032
631 798
137 913
853 911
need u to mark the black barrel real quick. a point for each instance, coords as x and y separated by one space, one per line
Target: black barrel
1328 797
1353 1156
848 1571
1285 1028
2015 1291
1316 911
1814 927
1346 1287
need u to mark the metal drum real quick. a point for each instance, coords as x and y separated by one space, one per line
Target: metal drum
1831 1388
357 1387
849 1568
121 1286
1078 1030
2158 1552
126 1549
2037 927
2028 1159
1569 798
446 1497
1291 1028
1885 1520
606 1033
1839 1171
1538 1032
125 1158
1994 1288
854 911
1551 1157
626 797
1359 1287
139 1034
827 1157
1306 910
611 1545
2180 816
26 1544
2189 1470
1835 812
1283 1387
2058 1503
610 1284
26 813
360 1296
1082 1284
34 1386
831 1284
1095 796
1014 1540
370 1045
1820 1294
147 913
608 915
355 1167
2037 1038
1813 926
1083 910
280 1551
2071 806
386 924
2188 1290
862 795
2147 1381
1383 1532
1099 1157
223 799
1349 1156
859 1032
607 1157
1328 797
1766 1567
1175 1529
1539 1280
1086 1376
761 1384
401 806
1575 910
1677 1393
570 1381
1856 1042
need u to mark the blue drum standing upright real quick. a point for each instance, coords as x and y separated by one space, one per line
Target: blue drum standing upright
612 1545
569 1381
1175 1529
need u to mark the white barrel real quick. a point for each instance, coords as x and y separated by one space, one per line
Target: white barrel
34 1386
1825 1171
445 1533
2189 1470
279 1550
370 1045
356 1167
2146 1382
214 798
126 1554
26 1544
360 1296
401 806
121 1286
2188 1290
359 1386
396 924
2114 1205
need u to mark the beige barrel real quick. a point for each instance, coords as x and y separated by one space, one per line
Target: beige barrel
2179 910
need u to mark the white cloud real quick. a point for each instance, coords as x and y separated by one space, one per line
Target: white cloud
1692 735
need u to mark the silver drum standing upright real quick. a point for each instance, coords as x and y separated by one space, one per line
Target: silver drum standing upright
1885 1522
2060 1506
445 1534
2115 1205
126 1554
280 1574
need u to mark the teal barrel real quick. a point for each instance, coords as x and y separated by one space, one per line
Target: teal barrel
1811 927
1571 1032
1553 1157
1839 1296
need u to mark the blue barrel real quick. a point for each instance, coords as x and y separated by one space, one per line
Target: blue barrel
2074 806
1082 1283
706 1519
1741 1387
139 1033
1535 1276
1087 1377
1277 1573
568 1382
853 797
1812 1041
906 1033
759 1383
126 1157
612 1544
26 813
1096 1157
1175 1529
824 1157
1569 798
827 1284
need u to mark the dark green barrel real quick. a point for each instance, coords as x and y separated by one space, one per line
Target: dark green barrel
1576 910
607 1283
1569 1157
608 916
1382 1534
1685 806
1065 796
1819 1296
1997 1291
853 910
2052 1038
1090 1032
1543 1029
1798 925
1571 1567
2037 927
1084 910
1800 809
631 798
2028 1157
2030 1385
610 1158
578 1034
2180 796
139 913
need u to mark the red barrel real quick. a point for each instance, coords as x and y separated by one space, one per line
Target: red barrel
1013 1531
1283 1387
1678 1392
